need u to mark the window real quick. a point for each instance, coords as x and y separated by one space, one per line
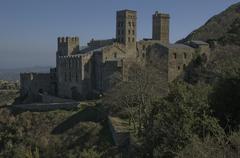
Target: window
129 32
115 55
119 32
65 77
185 55
133 24
133 32
132 39
70 76
129 23
76 77
144 47
174 55
128 39
73 63
179 67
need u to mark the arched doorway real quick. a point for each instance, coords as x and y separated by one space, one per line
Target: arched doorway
40 91
75 93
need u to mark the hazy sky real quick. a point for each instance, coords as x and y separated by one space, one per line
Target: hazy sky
29 28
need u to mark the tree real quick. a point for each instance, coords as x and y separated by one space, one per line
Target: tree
172 121
225 100
143 85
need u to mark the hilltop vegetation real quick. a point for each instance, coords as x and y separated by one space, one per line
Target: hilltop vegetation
9 85
44 134
8 92
219 26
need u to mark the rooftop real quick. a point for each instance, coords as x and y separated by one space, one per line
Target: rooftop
199 42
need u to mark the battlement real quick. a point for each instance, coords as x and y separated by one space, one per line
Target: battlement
68 45
68 39
162 15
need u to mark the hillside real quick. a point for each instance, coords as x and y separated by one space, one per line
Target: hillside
219 26
224 58
57 133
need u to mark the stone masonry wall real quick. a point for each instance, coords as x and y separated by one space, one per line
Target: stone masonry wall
34 83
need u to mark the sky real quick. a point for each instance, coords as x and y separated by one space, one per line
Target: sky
29 28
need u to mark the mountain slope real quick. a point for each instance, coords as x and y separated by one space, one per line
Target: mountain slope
224 59
218 26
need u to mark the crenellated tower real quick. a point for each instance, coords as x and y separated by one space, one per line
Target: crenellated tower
160 27
67 46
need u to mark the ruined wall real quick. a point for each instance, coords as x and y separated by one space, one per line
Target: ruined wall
34 83
143 47
53 82
157 58
112 73
178 59
108 66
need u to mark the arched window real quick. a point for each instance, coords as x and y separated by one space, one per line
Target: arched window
185 55
76 77
70 76
175 55
65 77
179 67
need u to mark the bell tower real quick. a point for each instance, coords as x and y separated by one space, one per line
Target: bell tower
126 27
160 27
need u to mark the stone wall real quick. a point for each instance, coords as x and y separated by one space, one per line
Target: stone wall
74 75
179 56
34 83
107 66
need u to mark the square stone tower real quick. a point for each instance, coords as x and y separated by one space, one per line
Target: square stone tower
160 27
67 46
126 27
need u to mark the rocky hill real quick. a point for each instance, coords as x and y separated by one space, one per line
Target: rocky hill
224 26
224 30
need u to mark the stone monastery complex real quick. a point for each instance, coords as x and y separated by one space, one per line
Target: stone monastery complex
84 71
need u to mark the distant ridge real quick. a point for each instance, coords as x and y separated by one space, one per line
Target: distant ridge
14 73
